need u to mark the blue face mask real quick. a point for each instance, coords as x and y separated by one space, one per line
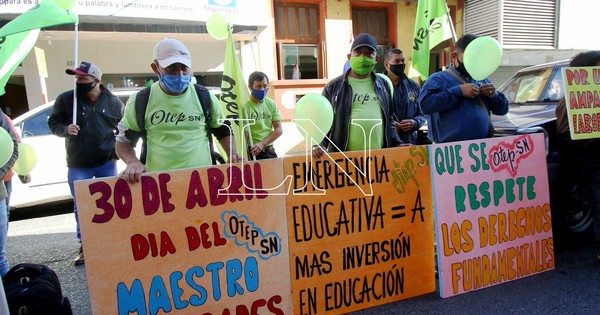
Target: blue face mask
259 94
175 83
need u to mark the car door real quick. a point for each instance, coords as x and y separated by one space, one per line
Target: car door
49 176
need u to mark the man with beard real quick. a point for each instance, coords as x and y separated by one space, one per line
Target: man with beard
90 140
406 114
457 106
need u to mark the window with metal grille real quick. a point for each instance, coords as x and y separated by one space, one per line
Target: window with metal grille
515 23
530 23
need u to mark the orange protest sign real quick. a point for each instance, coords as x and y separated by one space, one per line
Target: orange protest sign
206 240
360 229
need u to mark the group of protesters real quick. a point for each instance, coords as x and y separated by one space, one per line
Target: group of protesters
369 112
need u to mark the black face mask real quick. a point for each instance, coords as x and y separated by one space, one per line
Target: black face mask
398 69
84 88
461 68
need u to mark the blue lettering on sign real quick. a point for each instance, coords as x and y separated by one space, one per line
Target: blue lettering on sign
246 233
165 293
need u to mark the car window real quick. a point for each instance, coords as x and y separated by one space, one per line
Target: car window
527 86
36 125
555 91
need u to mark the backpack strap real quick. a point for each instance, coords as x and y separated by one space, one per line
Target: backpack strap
206 103
141 103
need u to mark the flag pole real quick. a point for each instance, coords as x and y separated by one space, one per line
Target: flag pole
250 141
76 63
450 22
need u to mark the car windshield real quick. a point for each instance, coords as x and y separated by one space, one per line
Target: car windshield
543 85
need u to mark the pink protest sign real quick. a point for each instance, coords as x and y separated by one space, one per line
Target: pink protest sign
493 221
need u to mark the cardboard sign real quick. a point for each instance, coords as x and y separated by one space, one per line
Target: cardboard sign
360 229
196 241
493 221
582 96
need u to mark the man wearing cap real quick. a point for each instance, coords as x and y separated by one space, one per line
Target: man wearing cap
90 140
362 104
175 138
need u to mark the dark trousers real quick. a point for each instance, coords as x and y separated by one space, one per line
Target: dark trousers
267 153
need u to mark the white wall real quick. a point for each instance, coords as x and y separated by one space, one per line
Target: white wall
119 53
113 57
578 24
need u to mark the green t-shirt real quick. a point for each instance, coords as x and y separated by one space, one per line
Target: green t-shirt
175 128
264 114
366 118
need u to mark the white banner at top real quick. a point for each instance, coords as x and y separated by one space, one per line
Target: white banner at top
239 12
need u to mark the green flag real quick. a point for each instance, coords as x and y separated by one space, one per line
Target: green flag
13 49
432 26
234 94
44 14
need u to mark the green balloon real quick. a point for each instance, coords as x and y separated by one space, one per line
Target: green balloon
313 117
6 146
482 57
65 4
217 26
27 159
388 80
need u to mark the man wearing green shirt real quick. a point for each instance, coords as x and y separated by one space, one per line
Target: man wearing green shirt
265 125
361 101
174 119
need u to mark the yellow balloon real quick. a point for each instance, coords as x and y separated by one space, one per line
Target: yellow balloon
217 26
313 117
65 4
6 146
27 159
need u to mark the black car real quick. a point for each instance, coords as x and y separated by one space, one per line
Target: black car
533 94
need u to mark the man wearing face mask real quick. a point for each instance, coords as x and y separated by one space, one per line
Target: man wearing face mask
175 129
362 104
406 114
90 141
267 119
458 107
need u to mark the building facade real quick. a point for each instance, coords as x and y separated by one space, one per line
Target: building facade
299 44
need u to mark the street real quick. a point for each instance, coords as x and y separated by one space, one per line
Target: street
572 288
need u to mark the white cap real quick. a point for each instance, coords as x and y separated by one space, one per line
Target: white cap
169 51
